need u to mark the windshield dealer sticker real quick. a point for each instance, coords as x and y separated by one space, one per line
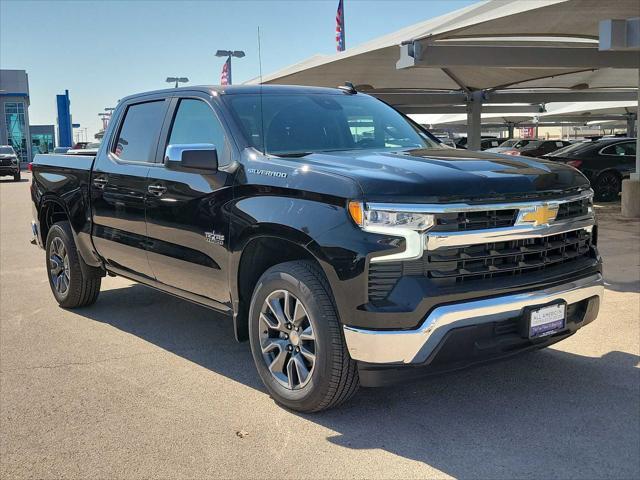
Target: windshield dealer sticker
267 173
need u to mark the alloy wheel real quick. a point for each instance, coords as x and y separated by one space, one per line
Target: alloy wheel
59 266
287 339
608 187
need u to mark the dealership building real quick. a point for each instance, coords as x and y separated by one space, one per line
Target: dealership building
14 112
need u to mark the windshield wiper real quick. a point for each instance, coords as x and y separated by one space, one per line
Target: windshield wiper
292 154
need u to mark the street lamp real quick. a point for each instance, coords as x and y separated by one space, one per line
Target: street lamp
105 119
177 80
229 54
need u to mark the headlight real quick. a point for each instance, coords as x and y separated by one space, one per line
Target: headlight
389 221
370 218
14 160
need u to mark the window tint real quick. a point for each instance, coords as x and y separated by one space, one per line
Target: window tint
139 132
195 122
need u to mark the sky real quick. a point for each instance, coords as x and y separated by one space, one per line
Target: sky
105 50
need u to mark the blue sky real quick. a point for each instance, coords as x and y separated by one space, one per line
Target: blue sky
104 50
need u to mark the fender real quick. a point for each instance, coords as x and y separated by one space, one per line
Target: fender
310 224
68 188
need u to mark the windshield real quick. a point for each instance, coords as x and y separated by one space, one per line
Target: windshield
6 151
304 123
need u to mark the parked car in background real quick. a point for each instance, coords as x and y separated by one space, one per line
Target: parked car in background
538 148
449 142
511 144
60 150
86 148
485 143
9 162
605 162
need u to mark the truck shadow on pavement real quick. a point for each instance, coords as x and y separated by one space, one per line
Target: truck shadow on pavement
544 414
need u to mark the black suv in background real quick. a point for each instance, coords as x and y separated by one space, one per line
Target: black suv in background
605 162
9 162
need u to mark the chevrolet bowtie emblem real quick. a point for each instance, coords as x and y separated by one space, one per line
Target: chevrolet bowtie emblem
538 215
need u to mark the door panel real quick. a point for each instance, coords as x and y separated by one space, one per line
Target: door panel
188 231
118 203
187 224
119 187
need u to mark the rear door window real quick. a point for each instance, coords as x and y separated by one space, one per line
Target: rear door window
138 136
621 149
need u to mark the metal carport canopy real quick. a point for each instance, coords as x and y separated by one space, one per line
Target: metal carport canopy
560 113
536 44
517 23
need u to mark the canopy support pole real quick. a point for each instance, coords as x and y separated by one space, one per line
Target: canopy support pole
510 129
474 119
631 121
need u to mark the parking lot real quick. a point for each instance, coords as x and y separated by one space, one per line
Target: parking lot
143 384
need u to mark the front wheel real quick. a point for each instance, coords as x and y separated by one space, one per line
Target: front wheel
296 339
72 282
16 177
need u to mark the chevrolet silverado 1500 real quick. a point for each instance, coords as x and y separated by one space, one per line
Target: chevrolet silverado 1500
347 244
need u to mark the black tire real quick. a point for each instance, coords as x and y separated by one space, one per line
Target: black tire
16 177
82 281
334 376
607 187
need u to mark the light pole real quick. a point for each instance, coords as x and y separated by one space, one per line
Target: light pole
105 120
177 80
229 54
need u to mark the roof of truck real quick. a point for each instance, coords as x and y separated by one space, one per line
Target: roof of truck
243 90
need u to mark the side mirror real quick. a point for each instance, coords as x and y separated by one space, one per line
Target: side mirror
198 156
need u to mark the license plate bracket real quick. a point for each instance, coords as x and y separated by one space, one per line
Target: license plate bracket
544 320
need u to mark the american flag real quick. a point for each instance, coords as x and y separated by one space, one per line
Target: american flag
340 44
225 77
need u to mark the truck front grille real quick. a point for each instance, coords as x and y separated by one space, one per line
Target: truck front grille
448 266
485 219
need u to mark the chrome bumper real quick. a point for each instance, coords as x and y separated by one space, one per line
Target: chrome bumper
415 346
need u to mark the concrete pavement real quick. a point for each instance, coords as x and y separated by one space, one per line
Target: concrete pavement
146 385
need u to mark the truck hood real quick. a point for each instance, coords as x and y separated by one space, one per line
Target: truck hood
441 174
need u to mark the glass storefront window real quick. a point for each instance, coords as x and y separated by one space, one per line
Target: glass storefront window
41 143
16 128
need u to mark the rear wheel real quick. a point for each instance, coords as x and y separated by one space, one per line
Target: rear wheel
607 187
296 339
73 283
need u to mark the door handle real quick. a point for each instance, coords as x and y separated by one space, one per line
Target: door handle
156 190
100 182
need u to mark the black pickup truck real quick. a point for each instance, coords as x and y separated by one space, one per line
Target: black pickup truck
349 246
